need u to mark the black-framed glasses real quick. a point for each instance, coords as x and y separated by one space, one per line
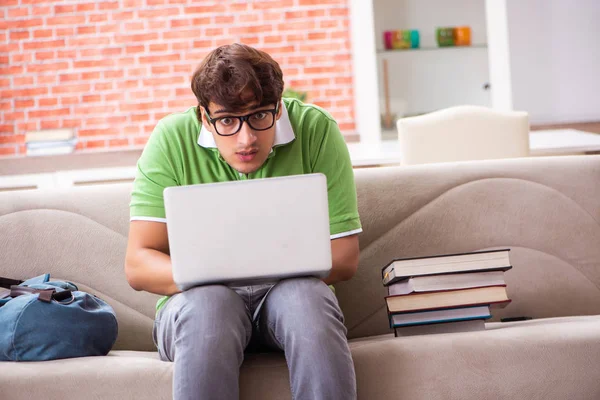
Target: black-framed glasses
258 120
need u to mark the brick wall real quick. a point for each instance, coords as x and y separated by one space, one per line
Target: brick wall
111 69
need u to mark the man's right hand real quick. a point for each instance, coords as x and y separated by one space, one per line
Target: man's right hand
147 262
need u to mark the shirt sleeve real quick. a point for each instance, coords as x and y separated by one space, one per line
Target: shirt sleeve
154 173
331 157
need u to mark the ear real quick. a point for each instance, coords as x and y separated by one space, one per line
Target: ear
204 120
278 115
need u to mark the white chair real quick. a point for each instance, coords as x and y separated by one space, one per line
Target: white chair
463 133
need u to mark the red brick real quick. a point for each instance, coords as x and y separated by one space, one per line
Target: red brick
19 35
44 55
21 58
66 20
50 124
14 116
77 88
134 26
4 83
140 141
140 117
224 20
95 132
55 67
238 7
24 103
142 37
86 30
89 41
52 101
103 86
118 142
69 100
98 17
122 16
7 128
17 12
328 24
41 10
315 13
160 69
43 44
93 63
113 97
90 76
65 31
94 144
22 80
188 34
214 9
11 70
71 123
68 54
135 49
251 29
91 98
108 5
86 7
48 113
271 5
158 13
248 17
210 32
27 126
115 74
45 79
160 59
60 9
178 23
317 35
10 139
7 150
42 33
159 47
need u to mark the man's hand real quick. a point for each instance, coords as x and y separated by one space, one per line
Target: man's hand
147 262
344 254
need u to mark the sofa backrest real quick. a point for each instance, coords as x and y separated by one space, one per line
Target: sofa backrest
547 210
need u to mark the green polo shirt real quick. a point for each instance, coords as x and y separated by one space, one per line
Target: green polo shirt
307 140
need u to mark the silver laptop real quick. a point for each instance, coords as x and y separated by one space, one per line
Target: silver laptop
249 232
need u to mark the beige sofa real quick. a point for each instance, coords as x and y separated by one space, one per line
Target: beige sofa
547 210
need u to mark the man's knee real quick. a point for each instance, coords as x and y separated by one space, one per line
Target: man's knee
304 301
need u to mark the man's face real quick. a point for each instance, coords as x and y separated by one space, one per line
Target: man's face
247 150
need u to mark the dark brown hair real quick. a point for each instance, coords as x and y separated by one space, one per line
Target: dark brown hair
235 75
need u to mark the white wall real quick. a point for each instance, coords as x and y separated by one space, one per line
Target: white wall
427 80
555 59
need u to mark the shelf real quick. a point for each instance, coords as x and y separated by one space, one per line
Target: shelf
446 48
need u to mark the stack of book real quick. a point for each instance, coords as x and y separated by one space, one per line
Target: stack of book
445 293
50 142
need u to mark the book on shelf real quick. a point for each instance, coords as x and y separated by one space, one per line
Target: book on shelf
448 327
439 316
404 268
494 296
431 283
49 135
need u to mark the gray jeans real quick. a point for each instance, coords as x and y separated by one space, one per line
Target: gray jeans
206 330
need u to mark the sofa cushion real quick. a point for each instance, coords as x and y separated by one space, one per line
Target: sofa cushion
551 359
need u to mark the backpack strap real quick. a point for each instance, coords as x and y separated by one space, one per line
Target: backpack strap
45 295
7 282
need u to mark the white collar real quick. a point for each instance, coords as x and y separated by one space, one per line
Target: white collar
284 133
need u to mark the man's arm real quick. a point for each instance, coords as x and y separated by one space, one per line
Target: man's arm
344 254
147 262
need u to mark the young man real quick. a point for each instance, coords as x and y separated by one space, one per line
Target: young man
243 129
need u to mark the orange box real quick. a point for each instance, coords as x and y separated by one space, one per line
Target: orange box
462 36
